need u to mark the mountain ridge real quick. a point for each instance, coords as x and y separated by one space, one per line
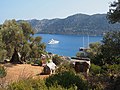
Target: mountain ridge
95 24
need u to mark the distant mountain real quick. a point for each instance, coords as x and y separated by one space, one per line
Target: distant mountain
76 24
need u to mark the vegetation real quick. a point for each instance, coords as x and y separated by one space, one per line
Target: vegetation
17 37
111 48
114 12
105 62
2 71
31 84
104 72
80 24
28 84
81 54
66 79
17 42
57 60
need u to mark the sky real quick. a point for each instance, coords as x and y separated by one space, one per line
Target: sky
49 9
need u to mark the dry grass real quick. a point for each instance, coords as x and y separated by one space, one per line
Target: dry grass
22 71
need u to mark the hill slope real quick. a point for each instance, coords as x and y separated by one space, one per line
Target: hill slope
76 24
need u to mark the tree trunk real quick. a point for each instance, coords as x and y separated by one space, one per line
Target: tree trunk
15 58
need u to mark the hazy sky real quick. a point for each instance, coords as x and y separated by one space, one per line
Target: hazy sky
48 9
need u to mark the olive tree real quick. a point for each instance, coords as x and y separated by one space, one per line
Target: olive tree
18 37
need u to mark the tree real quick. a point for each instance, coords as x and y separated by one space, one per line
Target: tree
57 60
17 37
111 41
94 53
27 29
114 12
12 38
111 48
94 50
2 50
37 48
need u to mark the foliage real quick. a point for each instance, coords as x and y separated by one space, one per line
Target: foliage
106 53
3 72
81 54
93 52
104 77
95 69
2 50
94 49
114 69
58 87
57 60
3 53
65 66
111 48
106 56
114 85
66 79
31 84
114 12
98 81
18 37
97 86
37 62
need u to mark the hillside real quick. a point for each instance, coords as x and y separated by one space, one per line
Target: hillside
76 24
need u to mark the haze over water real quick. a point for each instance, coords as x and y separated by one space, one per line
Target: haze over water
68 44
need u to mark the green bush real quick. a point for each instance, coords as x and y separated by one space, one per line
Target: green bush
114 67
81 54
66 66
57 60
31 84
95 69
2 71
58 87
37 62
67 80
28 84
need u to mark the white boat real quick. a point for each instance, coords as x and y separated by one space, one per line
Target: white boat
52 41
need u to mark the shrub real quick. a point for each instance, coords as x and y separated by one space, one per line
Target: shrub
2 71
58 87
81 54
97 86
57 60
31 84
114 67
95 69
67 80
37 63
66 66
28 84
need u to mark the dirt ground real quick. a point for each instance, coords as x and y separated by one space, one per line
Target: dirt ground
22 71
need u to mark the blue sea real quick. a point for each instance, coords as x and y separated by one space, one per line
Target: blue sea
68 44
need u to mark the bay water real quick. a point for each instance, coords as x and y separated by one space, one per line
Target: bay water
68 44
